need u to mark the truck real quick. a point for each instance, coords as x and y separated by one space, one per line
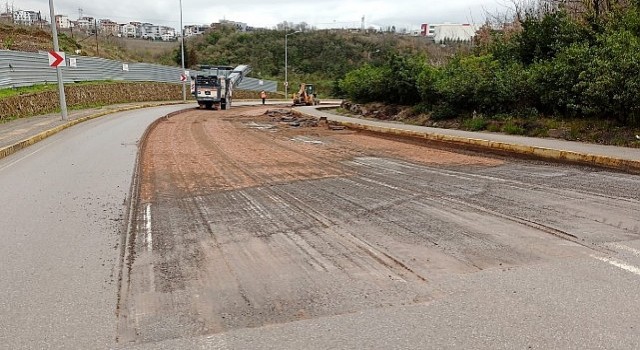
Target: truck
213 85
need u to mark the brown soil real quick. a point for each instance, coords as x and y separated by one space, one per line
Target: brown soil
20 38
201 144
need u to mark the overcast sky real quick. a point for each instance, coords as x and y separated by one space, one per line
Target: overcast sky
407 14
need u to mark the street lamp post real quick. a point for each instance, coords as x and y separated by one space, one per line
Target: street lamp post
56 47
184 82
286 69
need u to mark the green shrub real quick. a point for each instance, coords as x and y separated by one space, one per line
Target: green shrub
365 84
513 128
475 124
610 84
443 111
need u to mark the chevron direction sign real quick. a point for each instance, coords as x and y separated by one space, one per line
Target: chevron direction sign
57 59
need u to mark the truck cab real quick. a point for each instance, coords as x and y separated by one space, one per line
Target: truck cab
212 88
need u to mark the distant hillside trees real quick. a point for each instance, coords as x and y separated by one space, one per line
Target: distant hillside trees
314 56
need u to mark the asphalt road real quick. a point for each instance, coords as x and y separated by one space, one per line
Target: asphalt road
253 234
60 219
343 241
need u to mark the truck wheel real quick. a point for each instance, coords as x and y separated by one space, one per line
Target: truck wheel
223 106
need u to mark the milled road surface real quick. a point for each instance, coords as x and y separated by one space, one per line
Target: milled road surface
251 233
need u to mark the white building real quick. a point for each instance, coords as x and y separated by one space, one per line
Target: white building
149 31
168 33
240 26
86 23
449 32
63 22
129 30
26 17
195 30
109 27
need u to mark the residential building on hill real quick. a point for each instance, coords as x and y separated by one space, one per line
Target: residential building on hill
26 17
195 30
109 27
62 22
130 30
449 32
6 17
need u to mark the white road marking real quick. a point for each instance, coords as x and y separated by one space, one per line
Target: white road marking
633 251
148 237
147 227
626 267
29 154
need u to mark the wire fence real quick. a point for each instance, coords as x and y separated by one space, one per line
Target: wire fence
19 69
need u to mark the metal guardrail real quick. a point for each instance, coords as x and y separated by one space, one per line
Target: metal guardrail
19 69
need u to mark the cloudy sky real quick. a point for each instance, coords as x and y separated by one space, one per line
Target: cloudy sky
408 14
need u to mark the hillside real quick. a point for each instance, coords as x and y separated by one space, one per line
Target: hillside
318 56
34 39
314 56
31 39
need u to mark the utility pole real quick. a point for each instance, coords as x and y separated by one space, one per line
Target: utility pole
286 61
56 48
184 82
95 29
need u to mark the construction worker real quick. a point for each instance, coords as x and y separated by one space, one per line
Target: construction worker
263 96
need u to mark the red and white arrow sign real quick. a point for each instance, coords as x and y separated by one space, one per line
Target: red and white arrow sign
57 59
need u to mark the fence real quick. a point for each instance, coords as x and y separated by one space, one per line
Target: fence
25 69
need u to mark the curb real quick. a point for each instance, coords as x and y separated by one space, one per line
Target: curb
627 165
9 150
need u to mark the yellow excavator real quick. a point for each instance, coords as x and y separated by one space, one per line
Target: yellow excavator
306 96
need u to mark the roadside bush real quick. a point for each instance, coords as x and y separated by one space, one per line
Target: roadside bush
464 83
402 79
479 83
426 84
556 83
512 128
365 84
494 126
475 124
394 82
444 111
610 83
542 39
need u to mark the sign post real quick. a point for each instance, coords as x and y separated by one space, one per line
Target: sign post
58 60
